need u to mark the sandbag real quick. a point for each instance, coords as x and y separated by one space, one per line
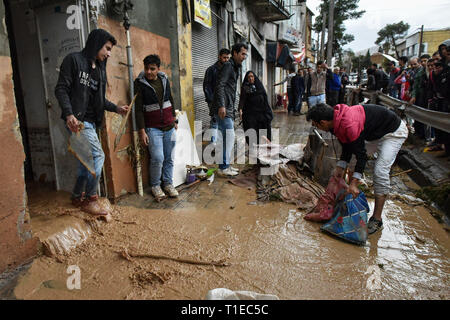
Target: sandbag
323 211
349 221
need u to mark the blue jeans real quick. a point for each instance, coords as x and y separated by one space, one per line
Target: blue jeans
313 100
298 104
226 139
161 144
213 125
85 180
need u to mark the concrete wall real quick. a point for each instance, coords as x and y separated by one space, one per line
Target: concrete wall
433 39
16 244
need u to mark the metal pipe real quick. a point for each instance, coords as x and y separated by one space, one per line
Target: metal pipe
320 137
133 116
87 11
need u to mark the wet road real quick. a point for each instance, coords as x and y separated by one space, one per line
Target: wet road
269 247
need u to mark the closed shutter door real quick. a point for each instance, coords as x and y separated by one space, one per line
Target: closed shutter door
204 54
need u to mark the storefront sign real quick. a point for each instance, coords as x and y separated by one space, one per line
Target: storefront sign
202 14
290 35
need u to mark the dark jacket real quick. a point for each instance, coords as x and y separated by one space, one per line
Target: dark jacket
253 101
379 121
298 86
225 91
209 82
149 112
72 88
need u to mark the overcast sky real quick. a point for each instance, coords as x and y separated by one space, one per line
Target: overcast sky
430 13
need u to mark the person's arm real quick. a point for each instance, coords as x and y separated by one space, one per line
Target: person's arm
208 90
222 79
242 99
283 81
64 86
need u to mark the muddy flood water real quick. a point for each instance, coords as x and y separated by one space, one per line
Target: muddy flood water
219 238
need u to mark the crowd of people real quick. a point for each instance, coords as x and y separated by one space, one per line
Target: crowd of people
423 81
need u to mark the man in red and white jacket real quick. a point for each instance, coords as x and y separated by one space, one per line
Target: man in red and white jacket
355 125
156 122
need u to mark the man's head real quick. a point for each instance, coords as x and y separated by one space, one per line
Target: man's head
99 45
402 61
310 69
319 66
374 66
321 116
438 67
239 53
436 56
336 70
342 70
152 63
391 65
444 50
423 59
414 63
430 64
224 55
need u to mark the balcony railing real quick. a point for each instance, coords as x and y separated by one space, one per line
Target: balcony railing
270 10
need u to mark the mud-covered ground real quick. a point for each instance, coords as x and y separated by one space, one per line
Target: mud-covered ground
266 248
217 236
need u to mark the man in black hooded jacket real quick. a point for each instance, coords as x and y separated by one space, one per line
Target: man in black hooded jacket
80 91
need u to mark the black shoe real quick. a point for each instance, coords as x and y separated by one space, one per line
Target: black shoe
374 225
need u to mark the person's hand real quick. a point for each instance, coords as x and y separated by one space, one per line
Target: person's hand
338 172
72 123
353 188
222 113
143 137
412 101
123 110
240 114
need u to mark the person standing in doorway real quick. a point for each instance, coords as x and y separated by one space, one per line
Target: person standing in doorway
80 92
288 79
298 89
157 124
209 84
223 104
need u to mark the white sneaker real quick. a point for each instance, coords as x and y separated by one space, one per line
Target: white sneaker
234 169
227 172
158 193
170 189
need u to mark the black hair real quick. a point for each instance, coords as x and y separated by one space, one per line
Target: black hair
391 63
320 111
224 51
436 53
375 65
404 59
431 60
237 47
425 56
319 62
152 59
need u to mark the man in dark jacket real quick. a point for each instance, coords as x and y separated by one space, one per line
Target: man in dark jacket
209 84
298 89
355 125
155 119
223 104
80 91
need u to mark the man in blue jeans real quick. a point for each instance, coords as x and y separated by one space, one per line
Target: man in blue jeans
209 85
156 122
223 105
80 91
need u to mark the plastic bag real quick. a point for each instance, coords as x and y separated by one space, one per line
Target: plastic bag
349 221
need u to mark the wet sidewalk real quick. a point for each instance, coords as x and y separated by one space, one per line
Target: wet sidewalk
243 244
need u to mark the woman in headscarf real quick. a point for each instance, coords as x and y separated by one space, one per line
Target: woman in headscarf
254 108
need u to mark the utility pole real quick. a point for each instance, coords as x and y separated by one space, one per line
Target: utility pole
421 40
330 33
322 40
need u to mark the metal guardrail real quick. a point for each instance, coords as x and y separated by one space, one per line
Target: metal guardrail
435 119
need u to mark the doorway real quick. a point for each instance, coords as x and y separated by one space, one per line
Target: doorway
41 33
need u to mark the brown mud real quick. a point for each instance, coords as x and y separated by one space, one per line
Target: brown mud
211 237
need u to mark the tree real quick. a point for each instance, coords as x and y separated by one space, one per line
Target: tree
389 35
343 10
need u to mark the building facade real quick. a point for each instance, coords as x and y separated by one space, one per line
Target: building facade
38 34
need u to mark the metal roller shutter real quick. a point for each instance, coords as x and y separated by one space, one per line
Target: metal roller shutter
204 54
